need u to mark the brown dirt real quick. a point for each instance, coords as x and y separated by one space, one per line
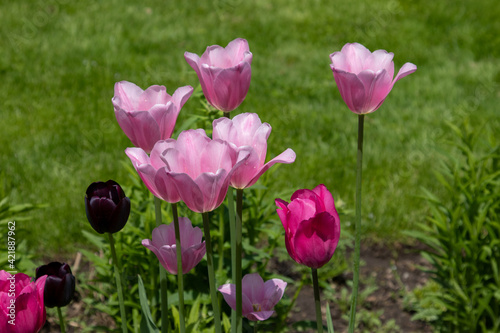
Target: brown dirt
393 270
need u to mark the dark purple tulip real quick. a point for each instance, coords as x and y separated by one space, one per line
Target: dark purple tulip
106 206
59 286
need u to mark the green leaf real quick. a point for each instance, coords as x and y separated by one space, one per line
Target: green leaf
147 322
329 322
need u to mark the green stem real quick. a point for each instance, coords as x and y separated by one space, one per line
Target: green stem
357 244
317 301
118 279
61 320
211 274
232 231
221 245
180 277
239 251
165 325
255 327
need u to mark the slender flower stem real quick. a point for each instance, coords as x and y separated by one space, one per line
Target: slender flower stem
238 281
118 279
317 301
165 325
232 231
357 245
180 278
255 327
61 320
211 274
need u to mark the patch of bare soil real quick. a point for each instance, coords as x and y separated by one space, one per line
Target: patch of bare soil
393 270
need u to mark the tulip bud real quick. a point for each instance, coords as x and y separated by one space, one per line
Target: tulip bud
312 226
60 284
224 73
106 206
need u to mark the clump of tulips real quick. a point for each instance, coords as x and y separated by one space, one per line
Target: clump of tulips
201 172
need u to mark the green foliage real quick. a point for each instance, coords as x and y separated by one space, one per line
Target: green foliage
13 219
463 236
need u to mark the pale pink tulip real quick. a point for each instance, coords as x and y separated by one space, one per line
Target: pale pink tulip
258 297
163 245
364 79
22 307
201 168
153 171
247 131
224 73
147 116
312 226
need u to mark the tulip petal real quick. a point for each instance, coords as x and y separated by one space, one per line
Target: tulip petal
286 157
407 69
316 240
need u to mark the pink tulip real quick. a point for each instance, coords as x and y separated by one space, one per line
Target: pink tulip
224 73
163 245
21 302
247 131
259 298
365 79
193 168
312 226
153 171
147 116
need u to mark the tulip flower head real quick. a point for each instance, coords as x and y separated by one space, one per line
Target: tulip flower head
164 247
224 73
363 78
147 116
312 226
60 284
153 171
198 167
246 131
106 206
259 297
22 307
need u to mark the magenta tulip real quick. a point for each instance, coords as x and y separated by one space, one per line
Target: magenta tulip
247 131
22 307
224 73
259 297
147 116
163 245
365 79
312 226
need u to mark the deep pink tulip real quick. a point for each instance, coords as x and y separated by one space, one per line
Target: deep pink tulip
163 245
22 308
196 166
224 73
258 298
153 171
147 116
312 226
365 79
244 131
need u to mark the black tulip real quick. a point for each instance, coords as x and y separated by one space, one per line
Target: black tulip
59 286
106 206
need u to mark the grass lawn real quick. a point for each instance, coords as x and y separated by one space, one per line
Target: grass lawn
59 61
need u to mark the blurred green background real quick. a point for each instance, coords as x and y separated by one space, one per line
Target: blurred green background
60 59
